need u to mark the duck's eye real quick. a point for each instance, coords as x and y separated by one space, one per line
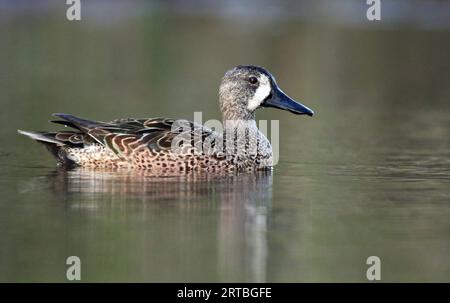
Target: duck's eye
253 80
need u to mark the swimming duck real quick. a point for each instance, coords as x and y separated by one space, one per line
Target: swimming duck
169 145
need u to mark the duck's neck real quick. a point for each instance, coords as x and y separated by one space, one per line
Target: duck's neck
232 125
237 114
234 109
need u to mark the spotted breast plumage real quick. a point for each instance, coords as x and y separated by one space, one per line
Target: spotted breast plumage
163 144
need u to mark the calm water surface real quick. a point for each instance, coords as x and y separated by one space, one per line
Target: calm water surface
368 175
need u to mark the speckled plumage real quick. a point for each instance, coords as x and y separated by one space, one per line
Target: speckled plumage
168 145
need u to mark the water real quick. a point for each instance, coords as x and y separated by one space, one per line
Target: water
368 175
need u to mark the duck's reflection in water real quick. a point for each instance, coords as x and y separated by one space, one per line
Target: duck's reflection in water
240 204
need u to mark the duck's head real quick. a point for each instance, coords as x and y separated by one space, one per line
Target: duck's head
246 88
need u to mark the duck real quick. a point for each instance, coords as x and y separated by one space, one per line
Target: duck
178 145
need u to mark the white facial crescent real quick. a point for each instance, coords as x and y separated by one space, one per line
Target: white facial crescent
261 93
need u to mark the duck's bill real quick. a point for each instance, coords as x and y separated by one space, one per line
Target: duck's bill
279 99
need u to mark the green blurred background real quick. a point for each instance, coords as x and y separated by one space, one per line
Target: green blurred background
368 175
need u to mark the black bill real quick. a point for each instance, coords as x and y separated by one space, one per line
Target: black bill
279 99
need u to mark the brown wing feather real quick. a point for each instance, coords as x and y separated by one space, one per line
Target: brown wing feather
123 136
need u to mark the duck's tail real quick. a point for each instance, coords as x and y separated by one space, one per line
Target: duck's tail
53 145
41 136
